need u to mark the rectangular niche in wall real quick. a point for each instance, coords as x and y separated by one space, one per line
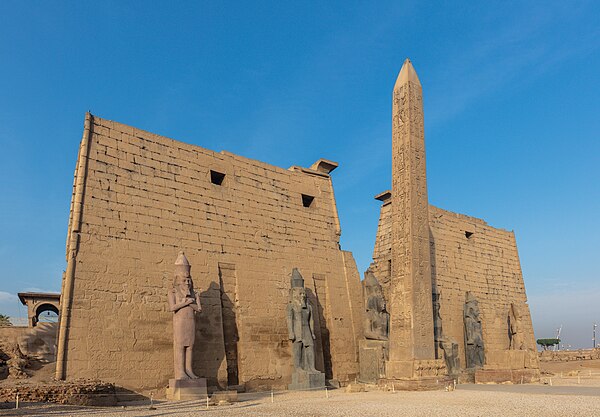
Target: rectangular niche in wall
307 200
216 177
228 284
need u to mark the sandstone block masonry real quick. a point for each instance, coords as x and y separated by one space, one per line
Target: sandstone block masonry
423 252
139 198
467 254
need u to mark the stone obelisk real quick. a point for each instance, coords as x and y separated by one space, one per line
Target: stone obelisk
410 306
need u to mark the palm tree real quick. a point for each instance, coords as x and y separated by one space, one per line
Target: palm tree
4 321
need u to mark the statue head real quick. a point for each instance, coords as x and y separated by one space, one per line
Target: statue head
297 291
471 306
298 297
182 282
371 285
296 281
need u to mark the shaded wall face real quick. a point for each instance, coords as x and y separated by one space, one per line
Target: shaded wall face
485 263
472 256
146 197
37 342
382 253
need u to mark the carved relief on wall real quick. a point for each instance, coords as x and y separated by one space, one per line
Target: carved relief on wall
515 327
474 350
448 346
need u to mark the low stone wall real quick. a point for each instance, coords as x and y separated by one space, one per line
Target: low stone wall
89 393
569 355
37 342
12 333
499 376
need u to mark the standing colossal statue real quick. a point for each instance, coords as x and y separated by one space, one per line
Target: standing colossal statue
184 302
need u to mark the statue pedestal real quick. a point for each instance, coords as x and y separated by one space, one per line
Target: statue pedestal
372 355
187 389
516 366
306 380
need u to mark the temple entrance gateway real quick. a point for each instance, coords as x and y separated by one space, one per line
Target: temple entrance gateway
245 225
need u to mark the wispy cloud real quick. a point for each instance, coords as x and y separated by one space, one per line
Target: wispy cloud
6 296
521 51
38 289
11 306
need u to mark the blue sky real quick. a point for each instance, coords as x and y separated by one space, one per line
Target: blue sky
512 116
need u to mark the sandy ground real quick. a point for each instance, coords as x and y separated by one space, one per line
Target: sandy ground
467 400
574 373
575 393
582 366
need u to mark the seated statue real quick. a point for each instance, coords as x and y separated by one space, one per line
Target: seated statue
377 320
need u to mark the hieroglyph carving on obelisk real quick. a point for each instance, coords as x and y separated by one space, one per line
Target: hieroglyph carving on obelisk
410 306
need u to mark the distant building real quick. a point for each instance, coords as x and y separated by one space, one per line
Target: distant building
38 303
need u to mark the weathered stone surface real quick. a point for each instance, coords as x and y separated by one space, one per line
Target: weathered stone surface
39 342
416 384
516 376
511 359
569 355
377 320
444 346
475 355
89 393
355 387
438 329
12 361
409 293
450 348
515 327
487 264
303 380
140 198
465 253
301 325
187 389
301 329
184 302
373 355
220 397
